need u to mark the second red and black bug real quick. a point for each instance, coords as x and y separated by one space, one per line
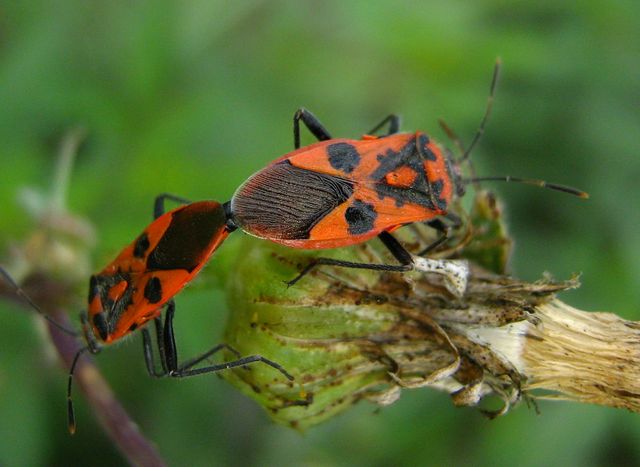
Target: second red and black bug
341 192
143 279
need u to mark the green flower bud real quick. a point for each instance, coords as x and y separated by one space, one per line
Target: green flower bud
351 334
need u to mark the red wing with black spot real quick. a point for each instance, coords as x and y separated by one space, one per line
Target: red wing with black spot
342 192
169 253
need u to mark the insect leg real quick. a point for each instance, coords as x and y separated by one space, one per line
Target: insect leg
394 125
158 205
147 347
194 361
186 369
455 271
398 251
170 350
182 373
311 122
444 229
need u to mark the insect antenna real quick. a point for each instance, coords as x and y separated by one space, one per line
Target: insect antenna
487 112
465 153
531 181
22 294
71 417
452 135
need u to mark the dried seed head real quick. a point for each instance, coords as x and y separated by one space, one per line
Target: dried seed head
350 334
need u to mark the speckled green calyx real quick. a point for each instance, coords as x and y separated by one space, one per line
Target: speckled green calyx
348 334
491 245
319 333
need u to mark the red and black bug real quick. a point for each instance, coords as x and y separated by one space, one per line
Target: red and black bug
134 287
147 274
341 192
143 279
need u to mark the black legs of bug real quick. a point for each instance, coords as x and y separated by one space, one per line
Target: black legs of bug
444 229
392 120
312 123
320 132
165 341
147 347
158 205
348 264
396 249
187 371
168 353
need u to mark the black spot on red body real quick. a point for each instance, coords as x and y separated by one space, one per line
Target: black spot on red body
184 244
93 288
141 246
343 157
153 290
436 190
285 202
422 192
392 160
101 285
423 147
360 217
100 322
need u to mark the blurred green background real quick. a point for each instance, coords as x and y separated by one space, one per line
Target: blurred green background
192 97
